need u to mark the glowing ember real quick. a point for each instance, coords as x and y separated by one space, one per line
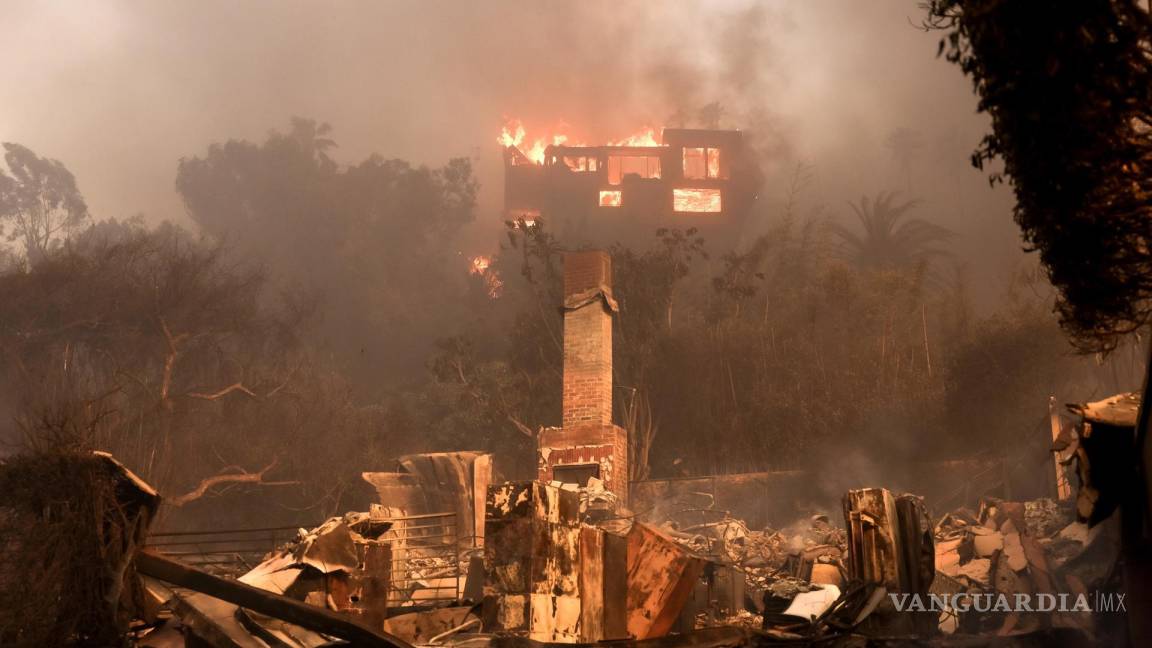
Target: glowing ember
523 218
610 198
480 265
696 200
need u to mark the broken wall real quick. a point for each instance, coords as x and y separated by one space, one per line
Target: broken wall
779 498
440 482
532 561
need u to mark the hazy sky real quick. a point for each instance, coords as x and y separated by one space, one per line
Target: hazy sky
119 91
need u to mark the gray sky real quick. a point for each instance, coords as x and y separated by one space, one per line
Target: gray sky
120 90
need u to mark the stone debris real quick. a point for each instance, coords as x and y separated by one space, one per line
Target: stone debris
1014 548
767 556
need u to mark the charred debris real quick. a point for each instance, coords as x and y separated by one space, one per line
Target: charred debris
452 555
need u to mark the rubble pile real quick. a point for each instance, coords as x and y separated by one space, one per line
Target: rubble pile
552 561
342 565
783 574
1019 547
803 552
596 501
359 565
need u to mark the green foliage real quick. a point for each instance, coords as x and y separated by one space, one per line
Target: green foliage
1069 91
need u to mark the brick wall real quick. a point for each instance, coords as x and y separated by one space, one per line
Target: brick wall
604 445
586 270
587 397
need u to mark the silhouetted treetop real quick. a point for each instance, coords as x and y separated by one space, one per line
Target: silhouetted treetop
889 238
40 199
374 242
1069 88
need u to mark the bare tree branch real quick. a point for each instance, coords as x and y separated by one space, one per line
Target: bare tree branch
169 360
228 478
287 380
520 426
224 392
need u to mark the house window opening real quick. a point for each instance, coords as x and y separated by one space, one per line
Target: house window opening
645 166
696 200
581 163
702 163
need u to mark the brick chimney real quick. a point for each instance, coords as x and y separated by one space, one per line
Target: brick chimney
588 310
588 444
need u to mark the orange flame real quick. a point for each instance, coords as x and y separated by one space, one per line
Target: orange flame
482 267
646 137
696 200
514 134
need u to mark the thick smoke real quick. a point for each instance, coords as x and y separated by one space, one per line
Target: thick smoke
821 83
841 100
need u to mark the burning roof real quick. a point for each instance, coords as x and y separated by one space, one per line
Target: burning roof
602 193
513 135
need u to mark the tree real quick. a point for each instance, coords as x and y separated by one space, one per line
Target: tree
372 243
39 196
1069 91
905 146
189 371
888 238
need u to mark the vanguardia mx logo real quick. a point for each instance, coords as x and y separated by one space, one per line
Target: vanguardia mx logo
1097 602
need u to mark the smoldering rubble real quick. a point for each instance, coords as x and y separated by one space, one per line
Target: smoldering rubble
452 554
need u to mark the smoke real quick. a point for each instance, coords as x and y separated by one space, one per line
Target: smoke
119 91
852 92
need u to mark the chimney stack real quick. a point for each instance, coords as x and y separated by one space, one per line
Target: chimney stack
588 310
588 444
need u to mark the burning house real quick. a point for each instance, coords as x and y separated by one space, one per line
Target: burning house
688 178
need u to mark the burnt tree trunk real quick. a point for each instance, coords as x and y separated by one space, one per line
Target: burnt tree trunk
1136 539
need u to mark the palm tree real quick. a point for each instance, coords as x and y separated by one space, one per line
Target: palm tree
905 145
890 239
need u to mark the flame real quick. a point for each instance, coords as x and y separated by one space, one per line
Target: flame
713 162
646 137
696 200
536 151
481 266
514 134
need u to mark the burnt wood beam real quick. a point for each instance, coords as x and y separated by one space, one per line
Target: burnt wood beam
264 602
